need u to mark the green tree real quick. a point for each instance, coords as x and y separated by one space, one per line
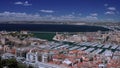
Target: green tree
12 63
0 63
30 66
20 65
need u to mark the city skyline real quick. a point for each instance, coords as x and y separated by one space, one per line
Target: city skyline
60 10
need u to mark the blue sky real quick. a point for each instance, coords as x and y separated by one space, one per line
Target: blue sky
73 10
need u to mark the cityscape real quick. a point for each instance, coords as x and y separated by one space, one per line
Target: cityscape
59 34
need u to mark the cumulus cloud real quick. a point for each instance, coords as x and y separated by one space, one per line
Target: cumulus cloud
105 5
94 14
18 3
73 13
68 16
109 13
77 18
26 3
118 12
110 20
13 16
91 18
80 14
47 11
16 16
111 8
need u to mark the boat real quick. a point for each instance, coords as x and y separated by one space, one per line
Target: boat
97 51
114 46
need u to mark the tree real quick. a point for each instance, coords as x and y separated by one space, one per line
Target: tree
12 63
30 66
0 63
20 65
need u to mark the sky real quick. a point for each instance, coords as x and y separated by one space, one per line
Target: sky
60 10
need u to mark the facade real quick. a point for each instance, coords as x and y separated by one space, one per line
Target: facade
31 58
45 57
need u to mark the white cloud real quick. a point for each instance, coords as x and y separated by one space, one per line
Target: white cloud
47 11
109 13
110 20
13 16
118 12
111 8
73 13
105 5
70 16
17 16
91 18
18 3
94 14
77 18
26 3
80 14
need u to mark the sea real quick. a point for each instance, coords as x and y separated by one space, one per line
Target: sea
51 28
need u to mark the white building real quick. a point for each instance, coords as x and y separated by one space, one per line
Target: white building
102 66
8 56
45 57
2 41
31 58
